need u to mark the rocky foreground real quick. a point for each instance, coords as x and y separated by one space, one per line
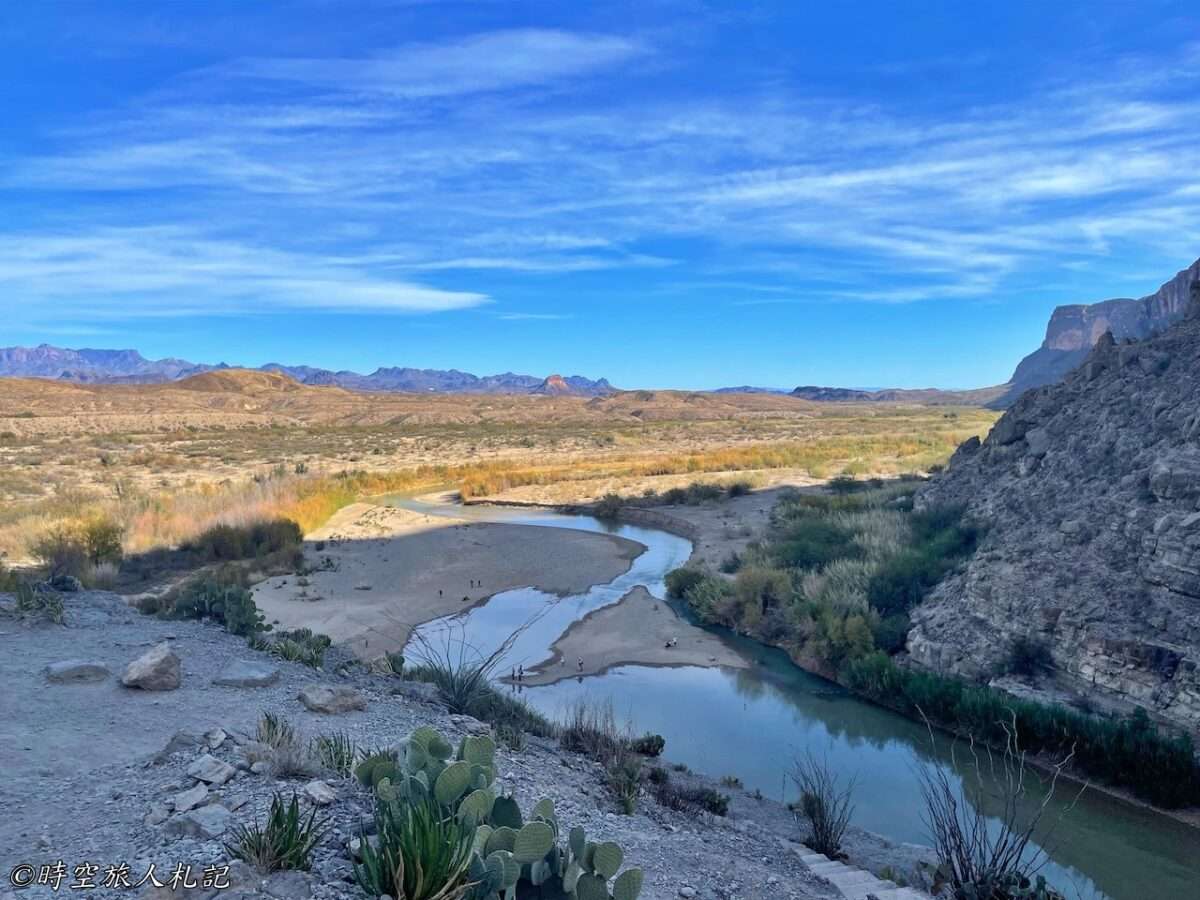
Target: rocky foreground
1090 491
130 741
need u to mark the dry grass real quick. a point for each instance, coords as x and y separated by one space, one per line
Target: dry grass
166 464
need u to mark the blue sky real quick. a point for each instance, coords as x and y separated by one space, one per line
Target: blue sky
664 193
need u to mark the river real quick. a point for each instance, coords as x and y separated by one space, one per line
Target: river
751 723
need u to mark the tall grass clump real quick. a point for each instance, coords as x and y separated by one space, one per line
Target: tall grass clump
419 855
285 841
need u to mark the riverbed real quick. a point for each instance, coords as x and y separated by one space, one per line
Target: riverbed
752 722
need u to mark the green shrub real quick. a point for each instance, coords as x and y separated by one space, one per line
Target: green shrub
286 841
39 604
61 551
608 507
740 488
624 776
223 543
649 745
1127 752
690 799
811 542
421 854
222 598
680 581
1028 656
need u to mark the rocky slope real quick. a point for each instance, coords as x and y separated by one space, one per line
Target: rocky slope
1074 329
161 769
1090 490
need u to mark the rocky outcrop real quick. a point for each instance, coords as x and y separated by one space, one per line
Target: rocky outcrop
1090 491
1074 329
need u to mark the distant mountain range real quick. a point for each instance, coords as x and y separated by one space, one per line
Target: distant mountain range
90 366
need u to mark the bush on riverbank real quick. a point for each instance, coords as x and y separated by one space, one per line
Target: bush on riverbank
1128 752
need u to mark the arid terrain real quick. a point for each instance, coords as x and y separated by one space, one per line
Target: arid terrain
168 460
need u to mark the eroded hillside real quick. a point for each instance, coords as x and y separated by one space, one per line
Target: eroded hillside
1090 490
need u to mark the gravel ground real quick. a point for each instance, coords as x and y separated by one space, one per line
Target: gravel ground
87 777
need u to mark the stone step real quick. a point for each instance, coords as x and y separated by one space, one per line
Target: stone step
864 889
901 893
810 858
851 877
823 868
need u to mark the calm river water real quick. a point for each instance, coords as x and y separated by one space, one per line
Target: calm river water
751 723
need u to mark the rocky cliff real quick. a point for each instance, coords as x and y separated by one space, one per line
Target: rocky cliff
1090 490
1074 329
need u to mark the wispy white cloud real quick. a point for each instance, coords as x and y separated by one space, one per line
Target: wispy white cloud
165 272
345 182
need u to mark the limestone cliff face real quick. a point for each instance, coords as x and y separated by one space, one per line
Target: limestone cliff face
1074 329
1090 490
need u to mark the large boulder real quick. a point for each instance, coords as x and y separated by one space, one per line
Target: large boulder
155 670
70 671
241 673
332 698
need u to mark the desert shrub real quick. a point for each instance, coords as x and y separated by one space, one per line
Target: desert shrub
285 841
740 488
649 745
220 597
592 729
61 551
420 855
1028 656
396 663
982 854
102 539
222 543
624 778
689 799
811 542
300 645
731 563
33 603
825 802
700 492
680 581
608 507
731 781
941 539
102 576
335 753
657 775
845 484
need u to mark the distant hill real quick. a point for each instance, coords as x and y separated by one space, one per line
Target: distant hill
1074 329
748 389
921 396
88 366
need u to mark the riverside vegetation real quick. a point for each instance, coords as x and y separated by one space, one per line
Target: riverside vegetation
833 582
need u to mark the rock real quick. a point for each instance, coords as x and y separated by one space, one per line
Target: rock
215 738
155 670
241 673
288 885
471 725
420 691
261 768
75 670
66 584
332 698
180 741
687 891
190 799
320 793
206 823
157 815
211 770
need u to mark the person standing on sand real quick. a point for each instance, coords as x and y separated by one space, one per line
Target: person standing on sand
581 664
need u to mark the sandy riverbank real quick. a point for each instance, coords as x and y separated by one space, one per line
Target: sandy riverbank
633 631
381 571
